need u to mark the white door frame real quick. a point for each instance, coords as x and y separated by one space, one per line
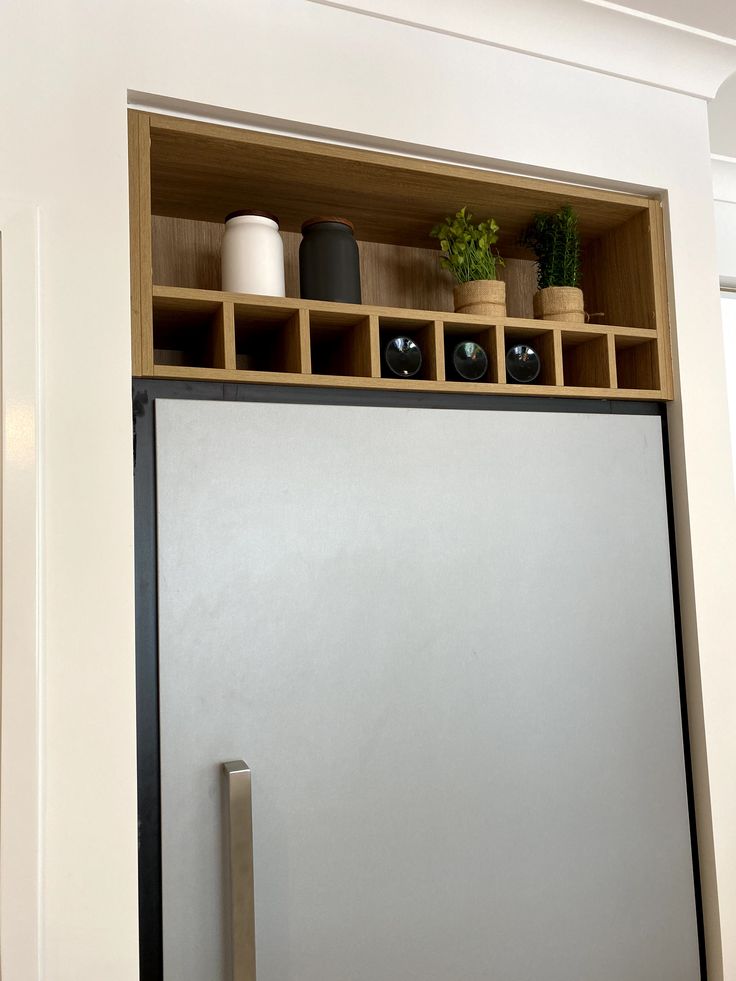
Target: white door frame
728 306
20 585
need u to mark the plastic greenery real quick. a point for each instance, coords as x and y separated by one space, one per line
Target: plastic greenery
467 247
555 241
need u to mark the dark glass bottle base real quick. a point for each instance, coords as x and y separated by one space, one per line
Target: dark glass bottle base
402 357
467 362
522 364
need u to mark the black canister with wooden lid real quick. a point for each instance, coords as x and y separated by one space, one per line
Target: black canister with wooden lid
329 265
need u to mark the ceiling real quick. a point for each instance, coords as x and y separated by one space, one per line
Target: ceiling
713 16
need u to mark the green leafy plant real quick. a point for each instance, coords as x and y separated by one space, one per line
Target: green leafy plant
555 241
467 248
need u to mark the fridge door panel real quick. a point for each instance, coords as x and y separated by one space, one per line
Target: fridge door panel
443 642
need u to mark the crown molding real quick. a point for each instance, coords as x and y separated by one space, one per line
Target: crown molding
600 36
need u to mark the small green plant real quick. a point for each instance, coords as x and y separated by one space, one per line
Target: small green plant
467 248
555 241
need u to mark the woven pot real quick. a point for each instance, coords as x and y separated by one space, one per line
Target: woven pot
563 303
483 297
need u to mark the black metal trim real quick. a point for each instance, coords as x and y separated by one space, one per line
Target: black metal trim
146 639
699 914
145 392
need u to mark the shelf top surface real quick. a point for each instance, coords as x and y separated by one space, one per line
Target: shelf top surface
204 171
180 298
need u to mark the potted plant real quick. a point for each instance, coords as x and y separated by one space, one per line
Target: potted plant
467 252
555 240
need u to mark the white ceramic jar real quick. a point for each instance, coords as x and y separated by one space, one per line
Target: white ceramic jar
253 254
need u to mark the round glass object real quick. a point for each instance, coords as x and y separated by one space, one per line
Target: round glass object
522 364
403 357
470 360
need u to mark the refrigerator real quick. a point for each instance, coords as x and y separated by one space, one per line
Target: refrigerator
409 691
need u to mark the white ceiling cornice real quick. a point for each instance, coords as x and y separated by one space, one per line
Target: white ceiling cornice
593 34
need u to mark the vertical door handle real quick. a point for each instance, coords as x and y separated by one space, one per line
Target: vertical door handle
239 863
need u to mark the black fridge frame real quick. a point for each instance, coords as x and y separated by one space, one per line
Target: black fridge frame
145 393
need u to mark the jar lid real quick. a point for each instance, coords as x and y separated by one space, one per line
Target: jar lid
248 212
321 218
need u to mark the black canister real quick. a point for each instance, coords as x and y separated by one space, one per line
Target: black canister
329 267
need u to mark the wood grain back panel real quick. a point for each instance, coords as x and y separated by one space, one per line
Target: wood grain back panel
618 275
188 253
204 171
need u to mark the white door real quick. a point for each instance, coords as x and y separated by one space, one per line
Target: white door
443 641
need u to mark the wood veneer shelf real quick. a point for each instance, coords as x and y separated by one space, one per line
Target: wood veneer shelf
185 176
286 341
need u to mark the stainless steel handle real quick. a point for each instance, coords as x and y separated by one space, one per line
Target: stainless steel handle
239 843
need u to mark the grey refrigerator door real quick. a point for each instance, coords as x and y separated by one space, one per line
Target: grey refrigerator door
443 642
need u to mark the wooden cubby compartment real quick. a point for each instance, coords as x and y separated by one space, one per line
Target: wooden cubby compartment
455 332
427 334
544 342
185 176
637 364
586 361
341 343
188 335
268 338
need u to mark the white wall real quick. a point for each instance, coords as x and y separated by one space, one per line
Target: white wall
725 212
724 195
728 306
64 73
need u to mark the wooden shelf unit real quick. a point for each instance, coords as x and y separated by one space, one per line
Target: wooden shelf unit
185 176
233 337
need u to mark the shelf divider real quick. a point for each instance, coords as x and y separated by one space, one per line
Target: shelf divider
436 350
612 373
361 349
292 343
500 335
374 346
304 355
557 357
224 347
551 373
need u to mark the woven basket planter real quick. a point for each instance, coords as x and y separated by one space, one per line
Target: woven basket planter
564 303
481 297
